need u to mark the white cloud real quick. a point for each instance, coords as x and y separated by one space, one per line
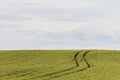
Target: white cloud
55 3
59 24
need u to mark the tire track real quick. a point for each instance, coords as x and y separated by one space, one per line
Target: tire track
67 73
69 70
83 58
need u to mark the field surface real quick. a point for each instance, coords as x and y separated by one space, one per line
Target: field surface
60 65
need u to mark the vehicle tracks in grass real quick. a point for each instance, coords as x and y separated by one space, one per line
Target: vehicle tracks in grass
83 58
74 69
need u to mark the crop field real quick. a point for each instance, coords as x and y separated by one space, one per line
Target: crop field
60 65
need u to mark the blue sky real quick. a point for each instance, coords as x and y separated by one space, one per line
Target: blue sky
59 24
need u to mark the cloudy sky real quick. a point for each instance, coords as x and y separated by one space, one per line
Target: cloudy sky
59 24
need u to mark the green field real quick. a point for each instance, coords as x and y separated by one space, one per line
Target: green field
59 65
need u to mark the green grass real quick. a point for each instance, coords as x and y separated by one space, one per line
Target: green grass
58 65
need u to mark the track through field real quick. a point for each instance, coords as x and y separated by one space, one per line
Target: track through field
60 65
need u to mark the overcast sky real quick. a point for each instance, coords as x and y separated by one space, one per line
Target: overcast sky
59 24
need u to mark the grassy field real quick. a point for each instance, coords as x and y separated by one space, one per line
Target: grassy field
59 65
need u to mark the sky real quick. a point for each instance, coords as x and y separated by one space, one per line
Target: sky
59 24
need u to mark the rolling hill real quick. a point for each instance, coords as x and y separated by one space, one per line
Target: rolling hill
59 65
